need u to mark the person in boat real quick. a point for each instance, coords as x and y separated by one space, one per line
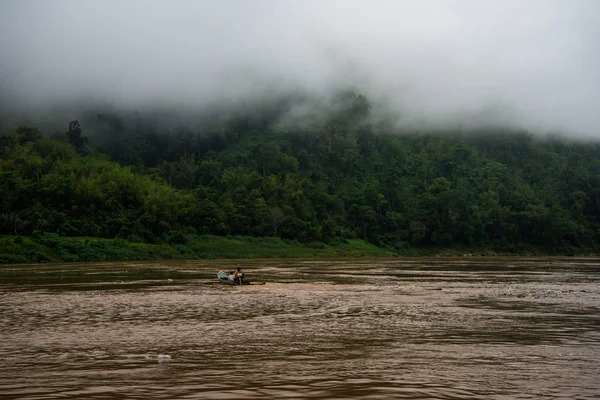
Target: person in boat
239 275
231 276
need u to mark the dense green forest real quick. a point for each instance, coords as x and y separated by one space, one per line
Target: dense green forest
335 178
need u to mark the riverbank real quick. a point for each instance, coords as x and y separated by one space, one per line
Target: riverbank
54 248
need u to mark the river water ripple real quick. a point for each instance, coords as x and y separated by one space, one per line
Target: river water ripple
324 329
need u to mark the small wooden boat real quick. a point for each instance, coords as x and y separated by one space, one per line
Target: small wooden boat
223 278
242 283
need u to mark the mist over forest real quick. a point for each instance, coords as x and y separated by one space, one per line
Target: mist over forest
425 64
400 124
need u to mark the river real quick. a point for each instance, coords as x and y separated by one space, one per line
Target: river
463 328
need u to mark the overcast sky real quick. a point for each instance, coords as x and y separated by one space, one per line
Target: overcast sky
538 60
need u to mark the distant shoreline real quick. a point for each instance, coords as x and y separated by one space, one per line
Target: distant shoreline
51 248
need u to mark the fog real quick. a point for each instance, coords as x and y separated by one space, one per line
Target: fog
533 63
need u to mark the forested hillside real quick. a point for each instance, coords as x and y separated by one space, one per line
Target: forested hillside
338 176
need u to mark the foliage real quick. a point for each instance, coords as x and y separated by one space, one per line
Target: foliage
51 248
339 180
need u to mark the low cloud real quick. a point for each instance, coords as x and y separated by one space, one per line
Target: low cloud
532 64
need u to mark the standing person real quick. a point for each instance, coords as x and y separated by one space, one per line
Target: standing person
239 275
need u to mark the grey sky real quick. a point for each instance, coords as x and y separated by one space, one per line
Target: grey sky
433 59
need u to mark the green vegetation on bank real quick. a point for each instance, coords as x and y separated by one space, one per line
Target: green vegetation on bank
50 247
248 185
53 248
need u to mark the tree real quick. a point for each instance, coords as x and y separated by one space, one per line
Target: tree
76 138
11 223
276 217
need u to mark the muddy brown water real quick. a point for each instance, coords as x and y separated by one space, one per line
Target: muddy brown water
318 329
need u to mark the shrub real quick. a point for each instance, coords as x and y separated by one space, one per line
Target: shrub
12 259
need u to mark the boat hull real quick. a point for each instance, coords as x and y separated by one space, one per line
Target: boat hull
237 283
